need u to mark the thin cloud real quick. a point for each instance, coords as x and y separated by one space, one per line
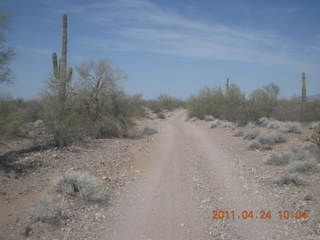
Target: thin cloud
41 51
143 26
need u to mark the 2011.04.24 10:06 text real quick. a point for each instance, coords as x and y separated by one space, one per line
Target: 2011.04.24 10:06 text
263 214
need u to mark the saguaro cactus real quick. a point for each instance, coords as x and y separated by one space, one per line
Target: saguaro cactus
60 71
227 85
303 96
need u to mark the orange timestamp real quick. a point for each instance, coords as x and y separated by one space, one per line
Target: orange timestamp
262 214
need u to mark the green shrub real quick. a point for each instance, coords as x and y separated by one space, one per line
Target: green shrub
12 116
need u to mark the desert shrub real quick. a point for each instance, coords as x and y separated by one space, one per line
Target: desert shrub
228 125
262 104
132 132
12 116
77 183
274 124
263 121
250 134
154 106
208 118
290 178
161 115
164 102
289 127
308 166
250 125
312 112
112 127
313 149
277 160
148 131
314 126
272 139
306 152
315 137
34 110
214 124
169 103
256 145
48 209
239 133
207 102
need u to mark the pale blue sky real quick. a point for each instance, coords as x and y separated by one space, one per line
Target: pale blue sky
171 46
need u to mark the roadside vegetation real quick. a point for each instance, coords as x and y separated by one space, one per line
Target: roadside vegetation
232 105
74 105
164 102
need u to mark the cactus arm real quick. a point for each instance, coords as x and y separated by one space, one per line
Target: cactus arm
69 76
55 65
304 88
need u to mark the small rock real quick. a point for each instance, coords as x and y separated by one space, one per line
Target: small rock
307 197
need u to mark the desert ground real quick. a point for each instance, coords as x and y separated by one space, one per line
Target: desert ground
186 181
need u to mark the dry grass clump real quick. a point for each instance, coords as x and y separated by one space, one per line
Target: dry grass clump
227 125
290 127
309 166
256 145
265 142
239 133
161 115
272 138
79 183
48 209
290 178
250 134
208 118
274 124
314 126
215 124
132 133
306 154
263 121
277 160
286 127
148 131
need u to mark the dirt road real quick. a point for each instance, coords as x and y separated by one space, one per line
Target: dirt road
189 176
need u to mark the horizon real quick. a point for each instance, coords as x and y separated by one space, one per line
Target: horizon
171 47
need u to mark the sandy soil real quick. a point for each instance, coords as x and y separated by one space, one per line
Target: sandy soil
166 186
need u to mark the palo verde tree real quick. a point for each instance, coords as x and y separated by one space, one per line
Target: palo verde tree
6 53
98 83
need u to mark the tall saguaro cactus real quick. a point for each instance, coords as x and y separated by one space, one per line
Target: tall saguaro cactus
303 96
60 71
227 85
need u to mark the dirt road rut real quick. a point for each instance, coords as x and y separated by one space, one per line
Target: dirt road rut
189 176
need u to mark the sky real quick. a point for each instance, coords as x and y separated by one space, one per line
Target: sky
175 47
